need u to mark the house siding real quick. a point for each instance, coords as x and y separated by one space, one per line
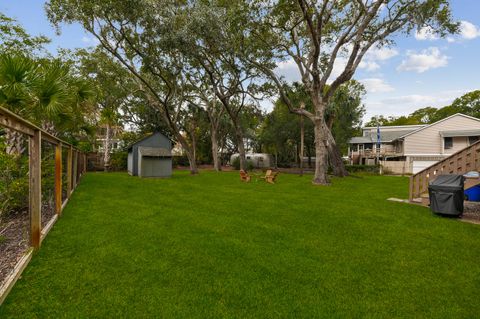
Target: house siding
429 141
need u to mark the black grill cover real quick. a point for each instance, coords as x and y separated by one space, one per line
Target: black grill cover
447 195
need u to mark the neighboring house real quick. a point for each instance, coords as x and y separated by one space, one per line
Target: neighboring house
411 148
151 156
116 143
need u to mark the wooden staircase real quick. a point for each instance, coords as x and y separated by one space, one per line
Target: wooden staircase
460 162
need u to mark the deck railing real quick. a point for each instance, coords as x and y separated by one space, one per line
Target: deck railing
460 162
76 165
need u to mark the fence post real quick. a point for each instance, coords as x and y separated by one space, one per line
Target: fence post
69 171
410 190
84 163
58 178
35 175
75 169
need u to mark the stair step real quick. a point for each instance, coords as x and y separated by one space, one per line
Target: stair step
471 182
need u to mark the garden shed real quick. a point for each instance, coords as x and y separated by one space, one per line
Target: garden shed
151 156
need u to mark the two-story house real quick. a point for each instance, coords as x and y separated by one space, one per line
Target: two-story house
411 148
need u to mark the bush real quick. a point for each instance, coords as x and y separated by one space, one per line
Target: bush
373 169
118 161
180 161
13 183
236 164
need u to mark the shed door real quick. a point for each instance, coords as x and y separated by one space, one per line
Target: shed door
420 165
156 167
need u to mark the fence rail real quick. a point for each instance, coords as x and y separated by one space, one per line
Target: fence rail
76 167
460 162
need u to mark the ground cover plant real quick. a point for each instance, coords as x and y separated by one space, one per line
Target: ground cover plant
210 246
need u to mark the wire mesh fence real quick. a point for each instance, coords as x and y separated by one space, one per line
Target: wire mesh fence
38 173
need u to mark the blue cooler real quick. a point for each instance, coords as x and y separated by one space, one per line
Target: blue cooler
473 194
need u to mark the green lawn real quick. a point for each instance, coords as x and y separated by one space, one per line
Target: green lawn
209 246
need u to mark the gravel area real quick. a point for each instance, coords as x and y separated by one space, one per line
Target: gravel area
14 231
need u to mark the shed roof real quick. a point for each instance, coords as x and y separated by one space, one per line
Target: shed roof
129 147
154 151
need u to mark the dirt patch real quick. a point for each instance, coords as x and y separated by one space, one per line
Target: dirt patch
14 232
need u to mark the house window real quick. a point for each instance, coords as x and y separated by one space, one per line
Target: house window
472 139
448 142
368 146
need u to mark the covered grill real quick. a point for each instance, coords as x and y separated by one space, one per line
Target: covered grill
447 195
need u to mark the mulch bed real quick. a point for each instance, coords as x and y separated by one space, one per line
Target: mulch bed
48 211
15 233
471 212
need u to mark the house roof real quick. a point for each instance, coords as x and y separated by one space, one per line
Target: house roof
442 120
385 136
389 136
460 133
154 151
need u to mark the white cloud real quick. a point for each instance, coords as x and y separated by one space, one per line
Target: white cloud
373 58
427 59
369 66
289 70
382 54
90 40
406 104
376 85
426 33
468 30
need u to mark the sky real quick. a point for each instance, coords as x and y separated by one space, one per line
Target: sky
418 71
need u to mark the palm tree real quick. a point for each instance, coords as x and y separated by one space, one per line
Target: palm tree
17 75
45 93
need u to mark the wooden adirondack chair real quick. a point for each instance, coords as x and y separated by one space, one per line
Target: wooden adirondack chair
244 177
270 176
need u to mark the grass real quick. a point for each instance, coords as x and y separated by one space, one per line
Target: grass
209 246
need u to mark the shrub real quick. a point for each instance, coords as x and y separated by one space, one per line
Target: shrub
118 161
373 169
180 161
13 183
236 164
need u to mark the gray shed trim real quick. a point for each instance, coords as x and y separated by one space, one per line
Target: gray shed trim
154 151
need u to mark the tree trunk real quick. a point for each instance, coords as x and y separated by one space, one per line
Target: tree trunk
216 160
241 147
321 162
302 143
106 148
188 151
335 157
15 142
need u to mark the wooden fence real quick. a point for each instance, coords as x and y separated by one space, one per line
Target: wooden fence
460 162
76 166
